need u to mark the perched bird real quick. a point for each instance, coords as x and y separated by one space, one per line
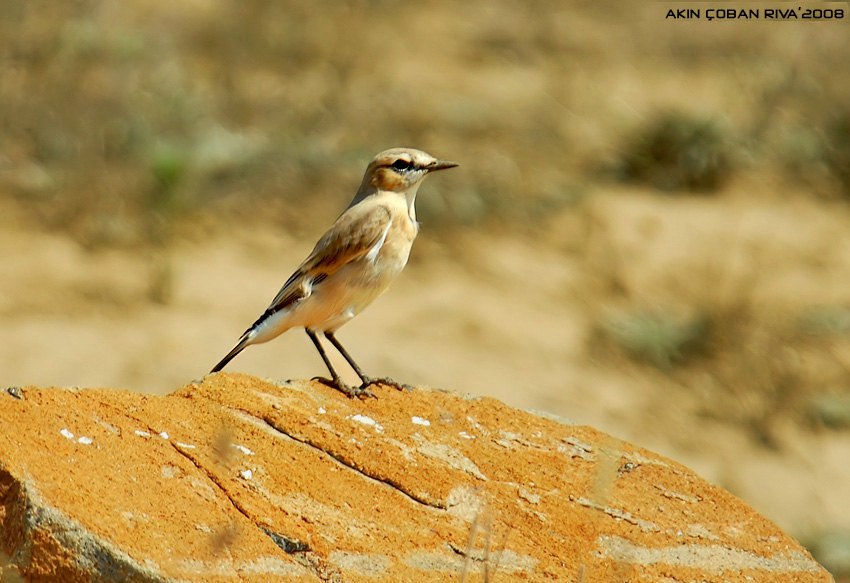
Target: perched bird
353 263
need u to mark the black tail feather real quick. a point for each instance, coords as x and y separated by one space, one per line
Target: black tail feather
230 356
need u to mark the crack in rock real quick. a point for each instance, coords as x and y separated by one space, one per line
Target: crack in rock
508 562
644 525
298 550
421 499
289 545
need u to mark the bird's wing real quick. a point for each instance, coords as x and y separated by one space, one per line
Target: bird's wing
351 237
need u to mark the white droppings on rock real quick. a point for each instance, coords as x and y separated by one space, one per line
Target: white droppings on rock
85 440
465 435
363 419
246 474
67 434
322 410
367 421
420 421
243 449
141 433
164 435
185 445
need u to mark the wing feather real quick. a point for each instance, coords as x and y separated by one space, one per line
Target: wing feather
350 238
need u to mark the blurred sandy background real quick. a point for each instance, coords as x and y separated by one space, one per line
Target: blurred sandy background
648 232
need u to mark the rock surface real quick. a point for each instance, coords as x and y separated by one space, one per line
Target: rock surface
243 480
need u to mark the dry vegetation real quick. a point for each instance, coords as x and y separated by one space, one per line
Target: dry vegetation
119 118
125 124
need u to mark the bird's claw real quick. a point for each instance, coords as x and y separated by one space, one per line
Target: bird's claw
388 382
353 392
346 389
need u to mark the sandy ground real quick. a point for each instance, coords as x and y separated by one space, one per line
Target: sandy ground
507 316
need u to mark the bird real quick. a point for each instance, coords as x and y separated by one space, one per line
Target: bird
353 263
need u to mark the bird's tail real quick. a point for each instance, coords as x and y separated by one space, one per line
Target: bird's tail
243 343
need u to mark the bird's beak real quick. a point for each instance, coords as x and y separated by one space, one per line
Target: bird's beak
441 165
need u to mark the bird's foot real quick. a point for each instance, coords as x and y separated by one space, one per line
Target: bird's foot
342 387
388 382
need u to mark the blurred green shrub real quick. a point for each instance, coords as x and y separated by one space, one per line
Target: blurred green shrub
832 550
657 337
677 152
825 321
831 410
837 150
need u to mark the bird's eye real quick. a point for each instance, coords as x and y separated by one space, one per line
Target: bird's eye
402 164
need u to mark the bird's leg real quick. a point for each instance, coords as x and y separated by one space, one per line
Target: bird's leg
367 380
337 381
363 377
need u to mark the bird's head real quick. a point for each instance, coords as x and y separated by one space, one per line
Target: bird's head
402 169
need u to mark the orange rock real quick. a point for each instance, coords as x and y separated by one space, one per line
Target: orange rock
239 479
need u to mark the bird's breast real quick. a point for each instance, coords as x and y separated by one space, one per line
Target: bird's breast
348 291
395 248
